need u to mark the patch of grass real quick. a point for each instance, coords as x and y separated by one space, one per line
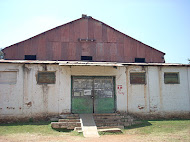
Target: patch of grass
42 128
110 133
159 127
75 133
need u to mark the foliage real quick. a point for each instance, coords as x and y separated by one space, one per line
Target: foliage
1 53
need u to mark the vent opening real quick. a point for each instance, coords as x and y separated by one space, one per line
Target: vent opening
139 60
86 58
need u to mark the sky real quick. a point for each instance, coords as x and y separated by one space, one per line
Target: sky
162 24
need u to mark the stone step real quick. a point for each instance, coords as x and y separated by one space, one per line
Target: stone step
69 116
108 120
106 114
109 124
108 117
72 117
68 125
112 130
69 120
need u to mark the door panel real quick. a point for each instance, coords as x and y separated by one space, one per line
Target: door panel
93 95
104 101
82 101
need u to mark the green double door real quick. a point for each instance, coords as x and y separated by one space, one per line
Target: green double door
93 94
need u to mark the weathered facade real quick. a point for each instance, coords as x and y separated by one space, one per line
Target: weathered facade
84 39
32 89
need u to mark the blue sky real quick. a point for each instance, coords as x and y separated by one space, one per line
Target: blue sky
162 24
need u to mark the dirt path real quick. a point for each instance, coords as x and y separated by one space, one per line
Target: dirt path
103 138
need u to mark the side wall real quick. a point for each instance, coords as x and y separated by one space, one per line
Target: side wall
157 99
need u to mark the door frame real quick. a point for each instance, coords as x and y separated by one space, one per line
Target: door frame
93 76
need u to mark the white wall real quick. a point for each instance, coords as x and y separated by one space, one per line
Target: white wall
120 76
157 98
26 98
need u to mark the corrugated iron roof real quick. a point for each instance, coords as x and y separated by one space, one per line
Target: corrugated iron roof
89 17
81 63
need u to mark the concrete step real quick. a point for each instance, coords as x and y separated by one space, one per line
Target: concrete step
69 120
108 120
106 114
69 116
108 117
111 130
68 125
98 124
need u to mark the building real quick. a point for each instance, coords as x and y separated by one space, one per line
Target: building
35 89
84 39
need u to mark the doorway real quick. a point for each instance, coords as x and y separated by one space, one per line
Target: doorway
93 94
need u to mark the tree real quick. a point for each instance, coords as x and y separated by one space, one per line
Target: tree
1 53
188 60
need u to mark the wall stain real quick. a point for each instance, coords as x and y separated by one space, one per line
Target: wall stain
29 104
140 107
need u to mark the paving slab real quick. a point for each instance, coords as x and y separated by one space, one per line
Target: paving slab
88 126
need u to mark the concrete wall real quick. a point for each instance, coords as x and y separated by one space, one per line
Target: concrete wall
26 98
157 98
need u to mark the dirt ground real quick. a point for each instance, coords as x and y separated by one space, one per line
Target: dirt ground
103 138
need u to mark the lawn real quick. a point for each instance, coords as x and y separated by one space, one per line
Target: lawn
174 130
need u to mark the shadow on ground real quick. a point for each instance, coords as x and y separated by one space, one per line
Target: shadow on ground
143 124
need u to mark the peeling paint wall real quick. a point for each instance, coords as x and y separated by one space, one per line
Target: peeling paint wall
157 98
27 98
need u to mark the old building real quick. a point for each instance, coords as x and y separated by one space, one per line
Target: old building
84 39
35 89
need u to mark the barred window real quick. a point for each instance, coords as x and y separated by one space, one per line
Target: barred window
46 77
171 78
138 78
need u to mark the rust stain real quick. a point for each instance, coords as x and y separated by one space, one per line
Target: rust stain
44 66
10 108
59 42
140 107
29 104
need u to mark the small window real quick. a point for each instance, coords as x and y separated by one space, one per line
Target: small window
30 57
139 60
8 77
89 58
46 77
171 78
137 78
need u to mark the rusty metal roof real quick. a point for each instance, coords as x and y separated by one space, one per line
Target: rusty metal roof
89 17
82 63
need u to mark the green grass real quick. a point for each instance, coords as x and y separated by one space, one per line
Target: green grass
43 128
156 127
166 130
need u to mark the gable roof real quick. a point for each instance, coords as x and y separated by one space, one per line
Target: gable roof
86 17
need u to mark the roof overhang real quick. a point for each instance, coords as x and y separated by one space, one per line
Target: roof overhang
82 63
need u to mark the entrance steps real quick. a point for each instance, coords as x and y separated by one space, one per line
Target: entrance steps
67 121
102 121
108 120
